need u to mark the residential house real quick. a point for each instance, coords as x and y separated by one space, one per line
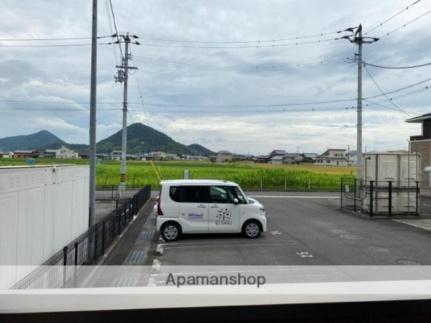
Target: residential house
116 155
61 153
276 160
100 156
25 154
223 156
292 158
261 159
277 152
422 144
351 157
333 157
6 154
161 155
309 157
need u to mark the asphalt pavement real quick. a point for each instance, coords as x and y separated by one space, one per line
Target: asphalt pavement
308 229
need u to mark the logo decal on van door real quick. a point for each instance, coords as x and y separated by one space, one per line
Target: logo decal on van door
224 216
195 216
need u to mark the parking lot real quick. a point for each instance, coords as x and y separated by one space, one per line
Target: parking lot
308 229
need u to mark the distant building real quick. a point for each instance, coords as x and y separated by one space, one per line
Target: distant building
292 158
116 155
223 156
277 152
6 154
194 157
309 157
100 156
25 154
161 155
61 153
422 144
262 159
351 157
276 160
333 157
83 154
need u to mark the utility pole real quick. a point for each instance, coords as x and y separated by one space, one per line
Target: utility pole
359 41
357 38
123 77
92 132
348 155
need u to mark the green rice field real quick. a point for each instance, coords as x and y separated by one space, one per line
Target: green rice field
250 176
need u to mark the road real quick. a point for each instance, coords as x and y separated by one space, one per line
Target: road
309 229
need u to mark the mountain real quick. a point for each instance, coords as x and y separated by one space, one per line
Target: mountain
37 140
140 139
200 150
144 139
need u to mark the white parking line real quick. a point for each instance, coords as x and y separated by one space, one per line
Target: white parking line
295 196
235 245
418 223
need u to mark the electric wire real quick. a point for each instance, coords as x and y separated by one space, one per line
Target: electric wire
392 17
397 67
156 39
383 92
115 27
51 45
406 24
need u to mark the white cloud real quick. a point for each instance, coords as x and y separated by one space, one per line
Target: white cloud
57 78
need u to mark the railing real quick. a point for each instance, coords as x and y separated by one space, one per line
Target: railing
64 266
110 192
381 197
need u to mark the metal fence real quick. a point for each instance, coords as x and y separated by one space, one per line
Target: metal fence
110 192
63 267
380 197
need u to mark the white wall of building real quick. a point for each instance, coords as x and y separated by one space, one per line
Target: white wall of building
41 210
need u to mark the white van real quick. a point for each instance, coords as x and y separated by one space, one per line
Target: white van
207 206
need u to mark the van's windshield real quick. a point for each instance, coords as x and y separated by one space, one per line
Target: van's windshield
240 195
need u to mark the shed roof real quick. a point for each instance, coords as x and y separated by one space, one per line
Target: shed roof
419 119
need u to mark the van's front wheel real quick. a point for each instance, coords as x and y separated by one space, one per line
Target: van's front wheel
251 229
170 231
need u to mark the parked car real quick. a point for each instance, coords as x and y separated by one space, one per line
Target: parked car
207 206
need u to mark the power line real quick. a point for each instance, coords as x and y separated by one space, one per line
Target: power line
251 111
257 41
257 45
115 27
393 16
49 39
397 67
52 45
406 24
384 106
399 89
383 92
111 27
56 109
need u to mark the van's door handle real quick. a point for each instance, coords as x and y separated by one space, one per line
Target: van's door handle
201 206
214 206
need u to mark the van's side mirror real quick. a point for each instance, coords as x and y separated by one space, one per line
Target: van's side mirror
235 201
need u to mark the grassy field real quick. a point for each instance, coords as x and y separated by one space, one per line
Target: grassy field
248 175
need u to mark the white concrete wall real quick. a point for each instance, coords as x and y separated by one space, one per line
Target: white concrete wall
41 210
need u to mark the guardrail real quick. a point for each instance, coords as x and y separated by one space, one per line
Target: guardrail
64 266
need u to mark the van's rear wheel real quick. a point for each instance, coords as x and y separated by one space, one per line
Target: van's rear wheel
170 231
251 229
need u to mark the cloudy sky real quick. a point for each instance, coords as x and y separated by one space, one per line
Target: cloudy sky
203 76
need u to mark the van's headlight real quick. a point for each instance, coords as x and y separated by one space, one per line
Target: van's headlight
262 209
